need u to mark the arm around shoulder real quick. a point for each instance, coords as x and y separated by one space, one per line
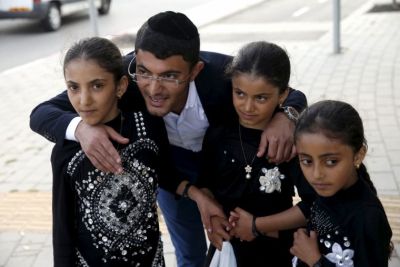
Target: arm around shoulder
296 99
51 118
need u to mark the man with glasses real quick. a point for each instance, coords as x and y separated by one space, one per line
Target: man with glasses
189 90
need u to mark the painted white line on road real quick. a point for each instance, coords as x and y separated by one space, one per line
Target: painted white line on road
235 28
206 13
300 11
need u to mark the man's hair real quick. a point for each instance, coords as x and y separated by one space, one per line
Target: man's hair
168 34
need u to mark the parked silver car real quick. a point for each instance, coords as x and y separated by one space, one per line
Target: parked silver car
49 12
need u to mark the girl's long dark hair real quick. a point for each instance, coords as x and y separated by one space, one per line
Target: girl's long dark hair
336 120
262 59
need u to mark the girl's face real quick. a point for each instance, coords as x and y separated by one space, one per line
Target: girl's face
92 91
255 100
328 165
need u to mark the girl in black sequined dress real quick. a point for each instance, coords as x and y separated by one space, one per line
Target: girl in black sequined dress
105 219
347 226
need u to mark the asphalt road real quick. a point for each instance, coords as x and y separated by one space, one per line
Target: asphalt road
23 41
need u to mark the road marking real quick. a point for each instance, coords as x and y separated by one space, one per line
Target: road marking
279 27
301 11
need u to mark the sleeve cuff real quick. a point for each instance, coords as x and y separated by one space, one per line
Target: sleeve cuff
70 132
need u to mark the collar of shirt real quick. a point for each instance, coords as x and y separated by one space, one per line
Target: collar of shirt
187 129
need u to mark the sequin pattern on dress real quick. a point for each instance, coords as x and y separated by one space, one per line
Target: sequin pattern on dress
334 244
119 210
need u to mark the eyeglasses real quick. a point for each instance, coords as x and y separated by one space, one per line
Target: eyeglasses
146 79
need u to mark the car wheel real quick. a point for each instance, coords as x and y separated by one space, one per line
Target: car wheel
52 20
105 7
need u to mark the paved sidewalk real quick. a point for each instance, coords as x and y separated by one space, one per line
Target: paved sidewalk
366 74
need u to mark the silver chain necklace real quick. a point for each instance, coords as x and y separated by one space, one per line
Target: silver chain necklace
248 167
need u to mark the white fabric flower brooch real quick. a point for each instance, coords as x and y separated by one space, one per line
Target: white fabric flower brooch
270 180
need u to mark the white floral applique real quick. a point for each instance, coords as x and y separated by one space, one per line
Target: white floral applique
342 258
271 180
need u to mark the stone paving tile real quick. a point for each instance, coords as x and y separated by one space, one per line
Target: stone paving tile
396 170
44 258
394 262
20 261
385 182
25 211
6 250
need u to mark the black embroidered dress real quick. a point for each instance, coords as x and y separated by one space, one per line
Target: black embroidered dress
265 193
352 227
104 219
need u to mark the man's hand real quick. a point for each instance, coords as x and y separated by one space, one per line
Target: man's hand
95 142
220 231
207 205
305 247
241 221
209 208
278 137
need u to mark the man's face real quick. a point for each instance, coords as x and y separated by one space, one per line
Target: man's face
163 83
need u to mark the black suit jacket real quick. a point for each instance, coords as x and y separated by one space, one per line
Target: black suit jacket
51 118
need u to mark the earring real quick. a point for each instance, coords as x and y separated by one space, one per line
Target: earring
118 94
357 165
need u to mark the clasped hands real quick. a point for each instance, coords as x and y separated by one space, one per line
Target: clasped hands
237 225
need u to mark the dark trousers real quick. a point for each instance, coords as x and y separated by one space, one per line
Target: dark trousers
182 216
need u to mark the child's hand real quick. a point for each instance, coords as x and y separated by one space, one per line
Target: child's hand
220 233
233 218
305 247
241 222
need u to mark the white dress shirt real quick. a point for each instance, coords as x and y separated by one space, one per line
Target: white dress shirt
187 129
70 132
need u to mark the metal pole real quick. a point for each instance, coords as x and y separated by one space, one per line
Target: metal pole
336 26
93 17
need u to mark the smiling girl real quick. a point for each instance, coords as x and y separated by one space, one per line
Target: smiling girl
347 225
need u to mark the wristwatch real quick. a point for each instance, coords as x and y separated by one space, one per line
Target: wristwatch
254 229
291 113
185 192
